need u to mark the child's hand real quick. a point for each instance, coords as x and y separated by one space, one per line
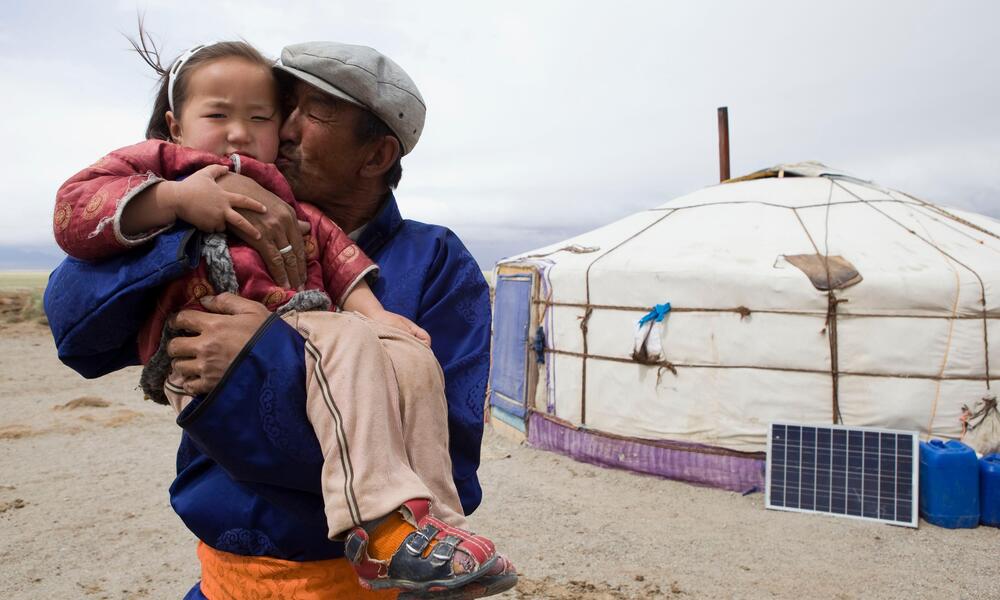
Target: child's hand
200 201
362 300
400 322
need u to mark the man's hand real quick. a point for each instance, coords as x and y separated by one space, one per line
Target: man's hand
279 229
203 358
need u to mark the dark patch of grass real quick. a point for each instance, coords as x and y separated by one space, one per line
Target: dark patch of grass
22 306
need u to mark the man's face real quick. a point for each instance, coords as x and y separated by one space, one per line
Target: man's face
319 153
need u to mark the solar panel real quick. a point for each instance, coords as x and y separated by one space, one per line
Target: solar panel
856 472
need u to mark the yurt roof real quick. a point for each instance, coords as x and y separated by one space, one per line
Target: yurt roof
729 244
809 168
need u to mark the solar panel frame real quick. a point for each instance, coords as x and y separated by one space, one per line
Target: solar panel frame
857 460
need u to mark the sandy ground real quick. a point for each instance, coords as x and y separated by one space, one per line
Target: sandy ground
85 465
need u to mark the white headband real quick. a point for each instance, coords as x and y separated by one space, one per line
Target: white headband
176 69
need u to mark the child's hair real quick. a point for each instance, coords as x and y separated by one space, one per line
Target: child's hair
150 54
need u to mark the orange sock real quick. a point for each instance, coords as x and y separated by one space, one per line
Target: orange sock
388 536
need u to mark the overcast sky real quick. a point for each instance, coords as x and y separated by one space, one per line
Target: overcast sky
546 119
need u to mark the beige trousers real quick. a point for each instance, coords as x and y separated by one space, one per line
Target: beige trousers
375 398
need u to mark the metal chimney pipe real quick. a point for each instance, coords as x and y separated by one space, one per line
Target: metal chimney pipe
723 143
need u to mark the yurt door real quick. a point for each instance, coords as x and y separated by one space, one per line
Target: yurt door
511 321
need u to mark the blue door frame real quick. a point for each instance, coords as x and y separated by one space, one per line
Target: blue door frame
511 321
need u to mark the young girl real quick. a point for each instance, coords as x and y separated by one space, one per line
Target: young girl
218 110
230 103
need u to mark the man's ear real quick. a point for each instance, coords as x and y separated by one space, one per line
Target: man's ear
382 156
174 126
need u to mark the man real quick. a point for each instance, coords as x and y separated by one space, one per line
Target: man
352 114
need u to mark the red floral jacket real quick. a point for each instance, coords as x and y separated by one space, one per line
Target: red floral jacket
89 207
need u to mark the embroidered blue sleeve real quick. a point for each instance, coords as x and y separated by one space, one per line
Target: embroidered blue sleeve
95 310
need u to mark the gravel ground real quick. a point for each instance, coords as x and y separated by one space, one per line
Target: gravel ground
85 465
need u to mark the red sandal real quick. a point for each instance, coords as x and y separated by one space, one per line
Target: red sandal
421 574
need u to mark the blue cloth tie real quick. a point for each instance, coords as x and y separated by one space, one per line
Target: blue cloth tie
659 311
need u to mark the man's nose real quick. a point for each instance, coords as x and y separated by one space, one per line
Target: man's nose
289 131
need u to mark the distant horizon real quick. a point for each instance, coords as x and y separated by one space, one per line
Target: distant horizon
43 257
508 241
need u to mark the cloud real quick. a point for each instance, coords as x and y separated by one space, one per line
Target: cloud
549 119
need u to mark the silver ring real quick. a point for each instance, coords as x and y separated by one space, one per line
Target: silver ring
286 249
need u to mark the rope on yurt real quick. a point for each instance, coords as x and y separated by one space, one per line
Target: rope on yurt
933 215
672 366
944 212
831 315
982 286
776 205
744 311
572 249
831 308
590 310
951 329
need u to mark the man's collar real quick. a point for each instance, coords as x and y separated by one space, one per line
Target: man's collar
356 234
380 229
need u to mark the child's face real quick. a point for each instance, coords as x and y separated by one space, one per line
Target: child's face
231 106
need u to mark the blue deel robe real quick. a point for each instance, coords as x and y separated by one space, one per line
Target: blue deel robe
248 463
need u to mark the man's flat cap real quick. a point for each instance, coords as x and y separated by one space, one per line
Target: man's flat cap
362 76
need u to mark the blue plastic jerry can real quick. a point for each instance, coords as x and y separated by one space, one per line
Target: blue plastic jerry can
989 490
949 484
